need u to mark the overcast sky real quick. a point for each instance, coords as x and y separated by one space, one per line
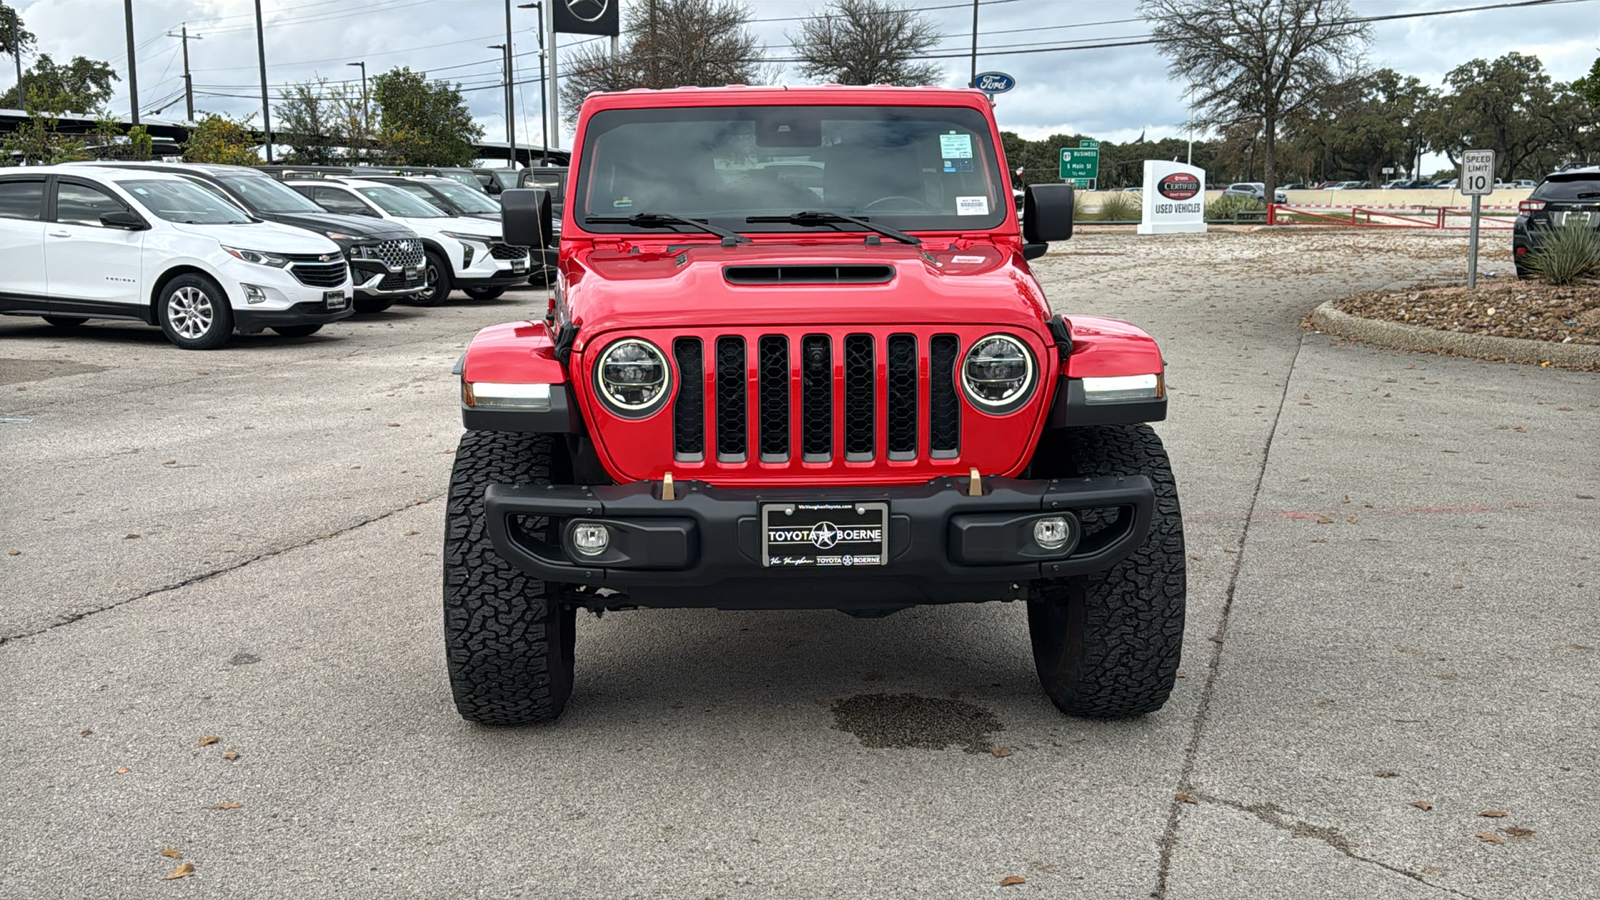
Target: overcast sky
1114 94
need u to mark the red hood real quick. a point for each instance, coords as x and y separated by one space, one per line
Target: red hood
655 283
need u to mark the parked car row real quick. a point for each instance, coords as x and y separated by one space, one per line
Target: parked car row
204 251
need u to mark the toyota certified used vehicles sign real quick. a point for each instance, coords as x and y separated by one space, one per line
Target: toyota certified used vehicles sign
1179 186
1174 198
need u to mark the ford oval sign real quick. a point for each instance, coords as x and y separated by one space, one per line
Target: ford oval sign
994 82
1179 186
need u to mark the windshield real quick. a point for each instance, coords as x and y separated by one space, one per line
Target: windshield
907 167
473 201
268 196
1569 189
185 202
397 202
466 178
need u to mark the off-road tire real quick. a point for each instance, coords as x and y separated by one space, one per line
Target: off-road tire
440 281
295 331
65 321
484 293
370 305
1107 646
508 645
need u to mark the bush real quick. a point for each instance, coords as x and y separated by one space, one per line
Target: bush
1080 207
1227 205
1569 253
1119 207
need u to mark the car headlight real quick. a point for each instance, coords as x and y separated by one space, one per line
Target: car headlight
259 257
997 374
632 377
360 251
481 239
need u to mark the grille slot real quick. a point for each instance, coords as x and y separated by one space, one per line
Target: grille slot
901 401
944 407
320 274
860 393
689 407
774 402
808 274
506 251
816 398
731 403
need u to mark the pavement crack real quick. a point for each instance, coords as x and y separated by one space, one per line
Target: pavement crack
1169 837
233 567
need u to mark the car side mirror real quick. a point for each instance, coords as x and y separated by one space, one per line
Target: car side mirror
526 217
1047 213
121 218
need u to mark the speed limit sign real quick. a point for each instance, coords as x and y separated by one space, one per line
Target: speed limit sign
1477 173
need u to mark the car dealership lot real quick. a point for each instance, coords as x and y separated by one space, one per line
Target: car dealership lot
246 544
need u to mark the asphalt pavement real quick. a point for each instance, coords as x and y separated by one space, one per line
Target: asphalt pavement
1392 585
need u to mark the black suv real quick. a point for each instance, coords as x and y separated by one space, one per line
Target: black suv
1571 195
386 259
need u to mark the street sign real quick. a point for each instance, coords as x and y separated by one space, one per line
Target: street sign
994 82
1477 173
1080 164
1388 170
1087 144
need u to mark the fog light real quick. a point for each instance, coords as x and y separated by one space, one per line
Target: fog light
1051 533
590 538
253 294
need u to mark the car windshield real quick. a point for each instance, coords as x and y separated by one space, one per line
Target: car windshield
1569 189
185 202
466 178
927 168
397 202
266 195
473 201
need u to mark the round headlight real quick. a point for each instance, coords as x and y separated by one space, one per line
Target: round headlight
997 374
633 377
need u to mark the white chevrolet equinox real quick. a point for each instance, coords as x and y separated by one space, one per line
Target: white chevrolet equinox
84 242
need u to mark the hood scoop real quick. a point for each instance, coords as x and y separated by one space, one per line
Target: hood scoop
808 274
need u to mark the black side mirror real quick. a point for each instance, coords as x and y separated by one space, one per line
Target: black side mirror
1046 213
123 219
526 217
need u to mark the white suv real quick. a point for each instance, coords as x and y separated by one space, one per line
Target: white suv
462 251
84 242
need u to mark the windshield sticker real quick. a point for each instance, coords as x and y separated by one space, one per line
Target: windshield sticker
624 203
955 146
972 206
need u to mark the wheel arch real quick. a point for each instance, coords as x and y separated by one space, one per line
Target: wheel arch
152 317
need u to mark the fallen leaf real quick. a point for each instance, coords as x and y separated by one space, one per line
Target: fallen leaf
393 424
123 770
412 533
1493 814
1423 805
86 732
1515 831
13 552
1324 520
170 853
1353 520
231 755
1489 837
1010 880
208 740
225 805
183 871
1346 499
1000 751
1184 798
1386 773
129 537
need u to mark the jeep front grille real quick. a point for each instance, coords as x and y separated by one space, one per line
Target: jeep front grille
876 390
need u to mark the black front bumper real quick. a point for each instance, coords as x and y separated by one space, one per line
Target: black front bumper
703 549
253 321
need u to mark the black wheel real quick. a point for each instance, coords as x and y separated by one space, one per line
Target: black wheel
297 330
508 643
1107 646
371 305
439 282
484 293
194 313
65 321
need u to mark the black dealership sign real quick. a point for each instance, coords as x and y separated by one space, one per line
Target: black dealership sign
586 16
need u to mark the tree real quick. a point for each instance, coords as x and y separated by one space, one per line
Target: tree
79 86
1502 105
36 142
1588 87
1364 125
1257 62
219 139
867 42
109 144
422 122
668 43
10 20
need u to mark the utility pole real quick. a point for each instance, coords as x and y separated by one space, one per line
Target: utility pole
555 97
511 79
544 122
973 81
261 55
188 82
505 58
366 124
133 65
16 51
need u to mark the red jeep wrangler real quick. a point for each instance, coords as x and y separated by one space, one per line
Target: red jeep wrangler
796 359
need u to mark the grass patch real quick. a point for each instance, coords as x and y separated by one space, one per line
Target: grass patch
1570 253
1118 207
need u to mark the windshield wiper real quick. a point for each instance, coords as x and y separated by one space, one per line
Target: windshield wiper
664 220
826 217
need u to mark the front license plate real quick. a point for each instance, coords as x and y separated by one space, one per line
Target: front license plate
412 273
335 299
519 267
824 535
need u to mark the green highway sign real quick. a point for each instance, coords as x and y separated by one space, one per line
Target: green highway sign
1080 164
1087 144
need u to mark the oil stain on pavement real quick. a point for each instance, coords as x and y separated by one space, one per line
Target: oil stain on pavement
906 721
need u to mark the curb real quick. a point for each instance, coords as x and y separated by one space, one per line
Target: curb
1397 336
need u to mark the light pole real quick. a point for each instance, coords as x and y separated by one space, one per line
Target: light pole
366 124
133 66
544 122
261 56
974 81
505 58
511 79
